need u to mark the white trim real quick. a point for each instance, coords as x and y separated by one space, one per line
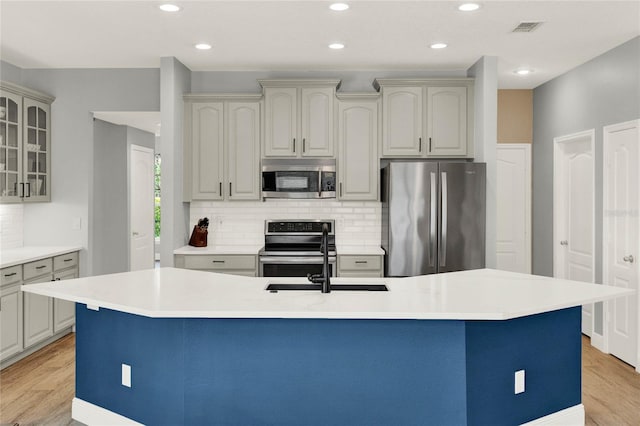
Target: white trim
606 130
572 416
526 147
558 212
91 415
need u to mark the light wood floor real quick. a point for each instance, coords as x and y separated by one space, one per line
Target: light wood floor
39 389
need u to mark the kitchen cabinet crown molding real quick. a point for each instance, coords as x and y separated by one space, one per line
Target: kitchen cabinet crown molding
300 82
218 97
26 92
461 81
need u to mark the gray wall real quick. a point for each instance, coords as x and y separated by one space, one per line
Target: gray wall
176 80
78 92
603 91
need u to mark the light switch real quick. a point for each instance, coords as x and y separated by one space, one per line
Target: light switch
126 375
519 382
76 224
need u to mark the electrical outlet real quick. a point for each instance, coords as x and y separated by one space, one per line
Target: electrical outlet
519 382
126 375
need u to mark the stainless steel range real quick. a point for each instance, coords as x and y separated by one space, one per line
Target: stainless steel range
292 248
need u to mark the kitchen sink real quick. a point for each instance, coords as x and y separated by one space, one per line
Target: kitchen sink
275 287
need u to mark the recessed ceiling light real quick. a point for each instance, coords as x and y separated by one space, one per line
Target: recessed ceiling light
523 71
336 46
438 45
169 7
203 46
339 7
469 7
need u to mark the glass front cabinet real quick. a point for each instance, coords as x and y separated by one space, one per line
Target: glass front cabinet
25 145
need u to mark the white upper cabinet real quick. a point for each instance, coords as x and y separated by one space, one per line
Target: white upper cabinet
208 150
222 147
424 118
299 118
358 147
243 136
402 128
25 145
447 121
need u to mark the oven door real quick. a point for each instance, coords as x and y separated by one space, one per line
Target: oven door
294 266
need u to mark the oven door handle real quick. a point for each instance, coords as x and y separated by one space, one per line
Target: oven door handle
293 259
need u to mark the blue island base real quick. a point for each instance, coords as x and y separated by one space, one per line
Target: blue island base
307 372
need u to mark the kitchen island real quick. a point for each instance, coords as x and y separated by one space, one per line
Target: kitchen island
172 346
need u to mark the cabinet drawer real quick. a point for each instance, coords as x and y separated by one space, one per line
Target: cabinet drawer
65 261
10 275
37 268
220 262
356 263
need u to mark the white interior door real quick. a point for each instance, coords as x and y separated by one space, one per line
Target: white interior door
620 235
141 204
514 208
573 222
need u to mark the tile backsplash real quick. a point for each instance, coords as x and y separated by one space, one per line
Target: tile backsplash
11 224
242 223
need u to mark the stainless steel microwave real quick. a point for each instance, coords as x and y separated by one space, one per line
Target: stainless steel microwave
300 178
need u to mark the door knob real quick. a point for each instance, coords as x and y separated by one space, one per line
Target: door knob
564 243
135 233
628 258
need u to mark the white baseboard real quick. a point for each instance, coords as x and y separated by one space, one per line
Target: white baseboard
91 415
572 416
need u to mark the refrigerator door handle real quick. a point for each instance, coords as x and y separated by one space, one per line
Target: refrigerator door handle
433 224
443 220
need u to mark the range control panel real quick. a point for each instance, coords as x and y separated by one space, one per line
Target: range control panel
285 227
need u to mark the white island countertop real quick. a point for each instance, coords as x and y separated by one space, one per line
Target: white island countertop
483 294
17 256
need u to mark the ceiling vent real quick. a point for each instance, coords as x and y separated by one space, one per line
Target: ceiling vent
526 27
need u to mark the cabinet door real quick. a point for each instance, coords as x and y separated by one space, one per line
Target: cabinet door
10 147
281 122
402 121
447 121
64 312
317 122
10 322
358 150
243 138
208 151
37 151
38 315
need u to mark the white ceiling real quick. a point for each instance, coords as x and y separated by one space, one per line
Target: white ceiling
293 35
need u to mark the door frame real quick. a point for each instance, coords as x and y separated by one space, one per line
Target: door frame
526 148
558 207
606 130
151 151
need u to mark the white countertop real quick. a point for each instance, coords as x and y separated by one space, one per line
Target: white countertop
483 294
227 249
17 256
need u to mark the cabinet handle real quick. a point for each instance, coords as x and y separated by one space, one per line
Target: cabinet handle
68 260
41 266
10 275
229 189
362 261
304 145
341 189
220 189
28 190
294 144
22 190
57 279
420 145
218 261
564 243
628 258
429 144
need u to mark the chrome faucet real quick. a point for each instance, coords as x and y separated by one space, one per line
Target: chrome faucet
324 278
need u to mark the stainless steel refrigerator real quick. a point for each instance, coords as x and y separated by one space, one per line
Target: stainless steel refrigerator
433 217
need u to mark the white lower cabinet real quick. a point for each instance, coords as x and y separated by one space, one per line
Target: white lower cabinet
233 264
64 312
10 321
360 266
38 315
